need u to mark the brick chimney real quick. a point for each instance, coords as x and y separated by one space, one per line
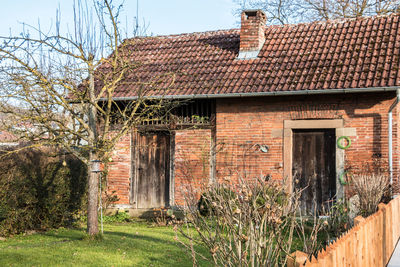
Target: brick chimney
252 33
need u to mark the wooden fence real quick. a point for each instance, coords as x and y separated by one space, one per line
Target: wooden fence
369 243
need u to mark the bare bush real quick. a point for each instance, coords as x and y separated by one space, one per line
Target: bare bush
308 230
251 224
370 188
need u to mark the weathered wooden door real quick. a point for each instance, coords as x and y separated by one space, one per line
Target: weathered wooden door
152 173
314 167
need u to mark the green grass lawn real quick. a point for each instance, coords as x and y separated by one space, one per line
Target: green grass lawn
128 244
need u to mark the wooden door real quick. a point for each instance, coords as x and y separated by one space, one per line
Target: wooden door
314 167
152 177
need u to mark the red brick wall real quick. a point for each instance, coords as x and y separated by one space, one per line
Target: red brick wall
119 170
192 162
244 124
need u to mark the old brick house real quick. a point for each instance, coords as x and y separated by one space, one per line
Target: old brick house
275 101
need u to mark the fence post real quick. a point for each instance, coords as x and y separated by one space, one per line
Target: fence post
358 219
382 207
296 259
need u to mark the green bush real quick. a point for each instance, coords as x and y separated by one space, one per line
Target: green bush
38 191
117 217
338 219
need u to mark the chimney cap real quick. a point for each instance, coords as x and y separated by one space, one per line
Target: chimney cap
253 13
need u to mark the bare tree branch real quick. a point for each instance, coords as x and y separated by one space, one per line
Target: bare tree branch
296 11
57 89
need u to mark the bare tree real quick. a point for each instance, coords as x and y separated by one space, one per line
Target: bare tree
296 11
64 85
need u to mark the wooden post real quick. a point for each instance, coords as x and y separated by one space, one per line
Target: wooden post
213 152
382 208
358 220
296 259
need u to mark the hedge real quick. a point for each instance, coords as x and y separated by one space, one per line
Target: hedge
40 189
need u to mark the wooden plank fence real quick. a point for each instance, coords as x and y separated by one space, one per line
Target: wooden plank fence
370 242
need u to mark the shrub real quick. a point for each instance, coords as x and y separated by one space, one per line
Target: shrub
252 227
117 217
204 205
337 219
108 198
371 188
370 182
38 191
163 216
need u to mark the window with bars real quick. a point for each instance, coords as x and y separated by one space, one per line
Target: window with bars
194 112
187 113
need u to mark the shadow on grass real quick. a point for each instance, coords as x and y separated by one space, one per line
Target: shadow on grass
79 235
73 234
148 247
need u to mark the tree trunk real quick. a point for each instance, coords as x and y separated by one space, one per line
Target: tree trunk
93 193
93 181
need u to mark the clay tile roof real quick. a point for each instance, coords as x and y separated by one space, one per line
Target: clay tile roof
355 53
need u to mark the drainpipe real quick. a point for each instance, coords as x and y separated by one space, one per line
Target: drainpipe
391 137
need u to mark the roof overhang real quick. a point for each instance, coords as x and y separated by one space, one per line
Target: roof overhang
277 93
